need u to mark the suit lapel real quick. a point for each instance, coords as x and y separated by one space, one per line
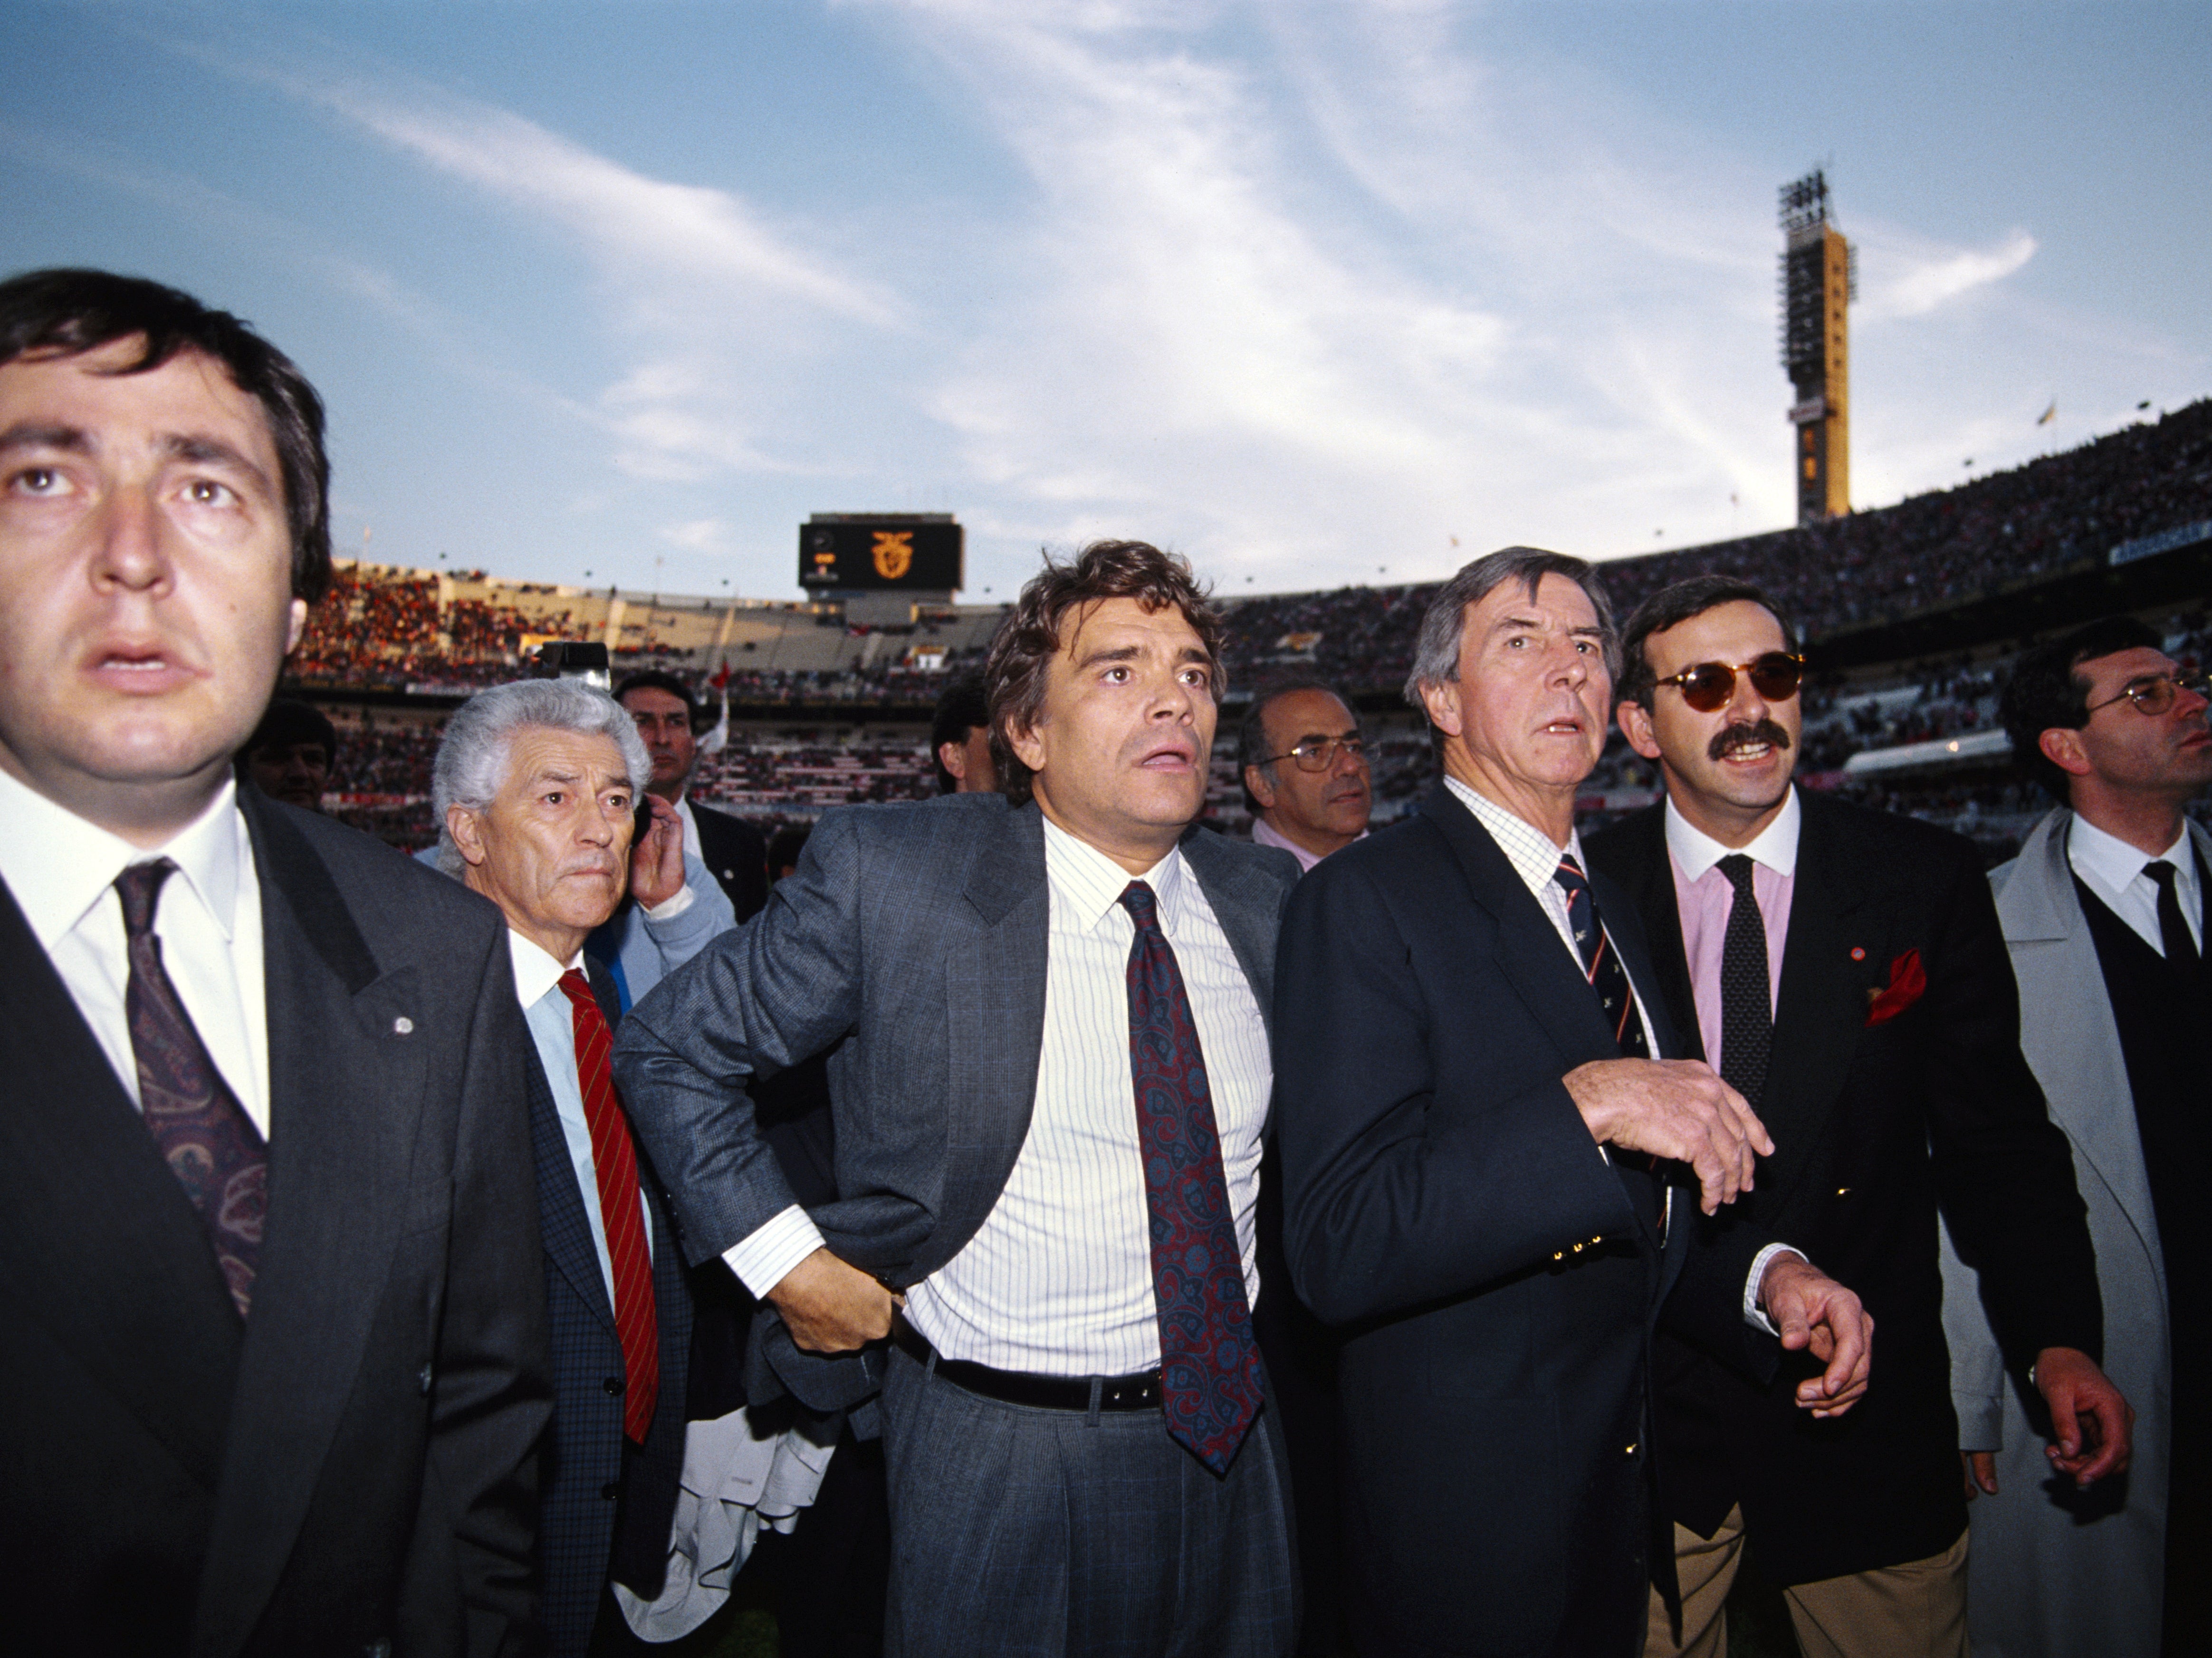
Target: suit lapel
1248 905
1819 1014
566 1226
1646 874
994 980
104 1249
345 1092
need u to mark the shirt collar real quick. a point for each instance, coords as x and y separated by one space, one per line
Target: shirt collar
535 972
1090 883
1265 833
2112 861
59 865
1532 851
1695 852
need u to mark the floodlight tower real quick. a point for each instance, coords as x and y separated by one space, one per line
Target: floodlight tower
1819 279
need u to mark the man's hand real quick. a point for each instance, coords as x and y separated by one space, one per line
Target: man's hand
1674 1108
1980 1468
1813 1310
2095 1426
832 1307
656 862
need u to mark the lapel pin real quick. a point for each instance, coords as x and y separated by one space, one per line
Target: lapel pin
1858 953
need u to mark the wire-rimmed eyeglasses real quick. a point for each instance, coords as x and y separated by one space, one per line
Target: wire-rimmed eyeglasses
2154 693
1319 754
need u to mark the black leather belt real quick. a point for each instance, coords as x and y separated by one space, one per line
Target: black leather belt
1140 1392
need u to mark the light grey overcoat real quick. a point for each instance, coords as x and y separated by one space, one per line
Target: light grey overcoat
2055 1573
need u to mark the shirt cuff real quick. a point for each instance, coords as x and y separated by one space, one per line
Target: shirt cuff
1754 1314
669 910
765 1256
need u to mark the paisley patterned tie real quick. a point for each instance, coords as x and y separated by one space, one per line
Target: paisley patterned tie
201 1131
1209 1363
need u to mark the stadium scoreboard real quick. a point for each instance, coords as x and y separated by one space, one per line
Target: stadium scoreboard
922 553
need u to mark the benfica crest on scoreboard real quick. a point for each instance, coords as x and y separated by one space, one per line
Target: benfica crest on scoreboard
843 552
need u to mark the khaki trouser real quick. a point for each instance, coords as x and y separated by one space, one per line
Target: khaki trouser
1917 1610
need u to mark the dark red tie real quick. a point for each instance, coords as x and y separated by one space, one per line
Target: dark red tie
199 1127
1209 1363
614 1160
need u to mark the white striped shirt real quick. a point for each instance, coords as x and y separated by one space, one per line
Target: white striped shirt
1059 1278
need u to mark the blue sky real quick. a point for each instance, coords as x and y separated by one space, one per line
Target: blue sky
1316 293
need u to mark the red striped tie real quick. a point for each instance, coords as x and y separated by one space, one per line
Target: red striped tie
614 1160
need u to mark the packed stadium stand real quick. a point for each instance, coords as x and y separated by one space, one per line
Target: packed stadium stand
1913 612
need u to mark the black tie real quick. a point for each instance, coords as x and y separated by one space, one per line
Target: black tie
1600 962
1746 998
2180 948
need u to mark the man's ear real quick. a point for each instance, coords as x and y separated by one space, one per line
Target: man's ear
467 830
1255 779
1440 697
296 627
1028 746
2062 747
953 757
1635 721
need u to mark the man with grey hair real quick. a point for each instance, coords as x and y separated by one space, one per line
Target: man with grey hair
535 787
1489 1164
1305 770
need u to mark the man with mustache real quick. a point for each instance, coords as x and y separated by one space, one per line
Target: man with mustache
1844 971
535 788
1045 1010
1490 1171
2103 913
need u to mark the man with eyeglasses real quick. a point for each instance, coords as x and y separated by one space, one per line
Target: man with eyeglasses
2104 914
1306 769
1843 970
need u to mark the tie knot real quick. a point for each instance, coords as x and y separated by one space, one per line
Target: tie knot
578 989
1738 866
2162 874
1144 909
139 886
1569 875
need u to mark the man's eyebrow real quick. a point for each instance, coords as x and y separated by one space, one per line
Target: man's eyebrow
1109 653
200 450
1592 631
1504 622
44 434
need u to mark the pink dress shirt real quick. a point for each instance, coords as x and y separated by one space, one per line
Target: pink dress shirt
1703 898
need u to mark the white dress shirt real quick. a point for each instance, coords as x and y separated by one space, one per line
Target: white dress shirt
1058 1280
62 870
2113 869
1535 858
552 1020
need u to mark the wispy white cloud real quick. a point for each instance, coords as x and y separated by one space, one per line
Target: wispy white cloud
704 535
1913 279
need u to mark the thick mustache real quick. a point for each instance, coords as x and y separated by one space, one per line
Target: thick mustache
1730 738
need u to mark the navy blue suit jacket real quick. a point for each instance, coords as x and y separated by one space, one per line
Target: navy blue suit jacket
606 1505
1497 1278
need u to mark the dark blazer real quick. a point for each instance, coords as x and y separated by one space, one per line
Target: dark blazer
606 1511
1497 1276
912 938
352 1470
736 855
1873 1124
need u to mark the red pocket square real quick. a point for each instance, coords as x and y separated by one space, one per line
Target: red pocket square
1907 982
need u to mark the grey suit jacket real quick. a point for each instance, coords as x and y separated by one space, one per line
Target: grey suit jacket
2045 1581
912 939
354 1463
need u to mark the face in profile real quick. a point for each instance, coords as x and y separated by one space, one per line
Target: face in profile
145 577
1119 747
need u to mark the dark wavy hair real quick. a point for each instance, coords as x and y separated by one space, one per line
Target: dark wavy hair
2045 692
68 312
1031 635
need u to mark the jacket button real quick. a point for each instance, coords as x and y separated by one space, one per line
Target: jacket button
613 1384
611 1490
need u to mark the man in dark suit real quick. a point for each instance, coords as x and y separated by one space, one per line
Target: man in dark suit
1031 1153
733 850
1844 969
274 1325
1469 1119
534 787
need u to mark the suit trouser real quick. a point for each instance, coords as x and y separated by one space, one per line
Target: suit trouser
1909 1611
1043 1532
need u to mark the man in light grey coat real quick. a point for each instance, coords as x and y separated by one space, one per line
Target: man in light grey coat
2103 912
1045 1194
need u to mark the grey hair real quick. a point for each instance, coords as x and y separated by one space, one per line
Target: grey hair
472 756
1435 652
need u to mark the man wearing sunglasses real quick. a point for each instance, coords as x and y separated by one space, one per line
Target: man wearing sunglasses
2104 914
1842 969
1306 768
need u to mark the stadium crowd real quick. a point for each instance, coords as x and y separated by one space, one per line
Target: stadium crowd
1048 1226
